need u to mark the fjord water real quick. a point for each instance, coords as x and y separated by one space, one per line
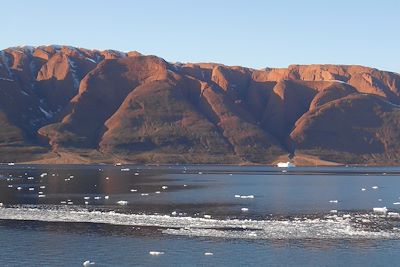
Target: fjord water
64 215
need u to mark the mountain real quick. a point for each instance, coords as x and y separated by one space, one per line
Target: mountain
62 104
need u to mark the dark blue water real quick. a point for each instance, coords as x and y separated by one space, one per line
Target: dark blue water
243 215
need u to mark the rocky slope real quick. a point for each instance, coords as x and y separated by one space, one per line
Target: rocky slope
64 104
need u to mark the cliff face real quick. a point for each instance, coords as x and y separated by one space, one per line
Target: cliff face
104 106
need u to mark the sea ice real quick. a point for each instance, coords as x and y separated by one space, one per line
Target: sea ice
122 202
156 253
88 263
380 210
393 214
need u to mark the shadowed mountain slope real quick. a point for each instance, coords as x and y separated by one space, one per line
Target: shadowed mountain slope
66 104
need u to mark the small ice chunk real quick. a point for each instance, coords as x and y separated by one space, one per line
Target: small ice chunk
380 210
174 213
133 190
42 187
249 196
43 174
396 203
208 253
375 187
333 201
122 202
363 189
156 253
86 198
106 197
237 196
333 211
200 172
136 174
244 209
393 215
207 216
144 194
19 188
88 263
86 202
125 170
252 234
164 187
97 198
41 196
1 204
31 189
184 185
157 192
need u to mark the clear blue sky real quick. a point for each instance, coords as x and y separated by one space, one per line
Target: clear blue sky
248 33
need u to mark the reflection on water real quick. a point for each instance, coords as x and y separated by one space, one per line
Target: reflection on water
311 215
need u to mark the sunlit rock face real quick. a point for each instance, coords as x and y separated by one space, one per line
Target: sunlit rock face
67 104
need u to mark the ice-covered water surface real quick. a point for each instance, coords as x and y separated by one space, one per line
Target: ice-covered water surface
128 215
337 226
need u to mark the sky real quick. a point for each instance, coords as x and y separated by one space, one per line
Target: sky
255 34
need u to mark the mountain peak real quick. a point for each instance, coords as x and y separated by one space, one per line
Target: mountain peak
61 103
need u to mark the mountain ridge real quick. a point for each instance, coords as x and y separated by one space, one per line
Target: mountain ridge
107 106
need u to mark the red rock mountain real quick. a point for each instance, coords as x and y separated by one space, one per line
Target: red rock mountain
61 104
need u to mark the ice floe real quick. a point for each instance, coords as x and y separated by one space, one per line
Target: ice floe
156 253
334 226
380 210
